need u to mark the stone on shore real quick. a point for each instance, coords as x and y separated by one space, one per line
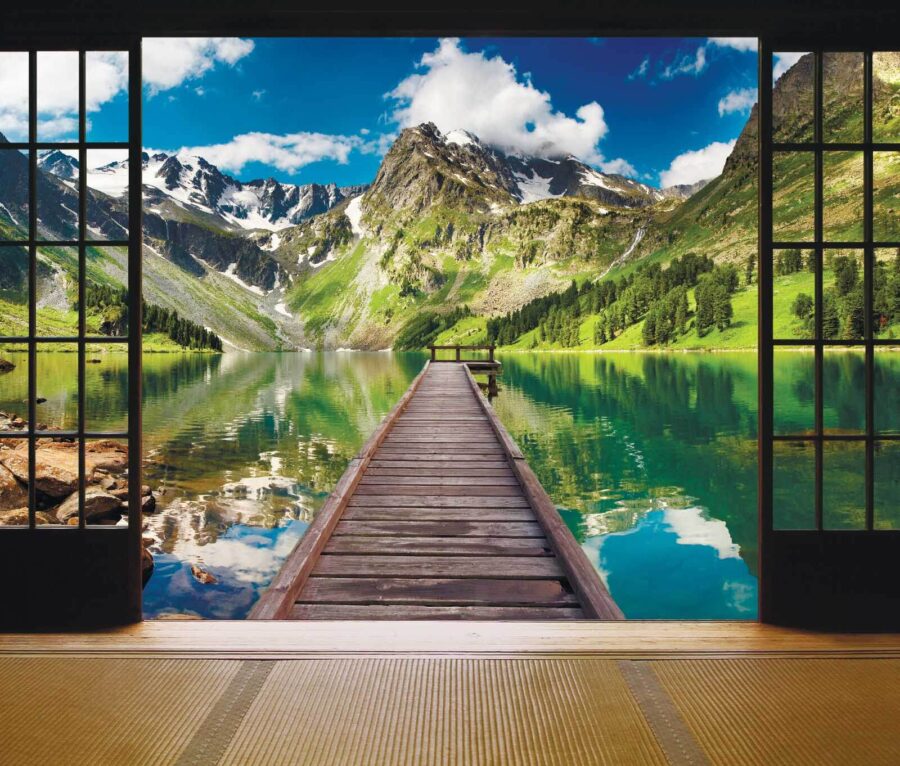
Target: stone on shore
56 464
18 517
12 493
97 505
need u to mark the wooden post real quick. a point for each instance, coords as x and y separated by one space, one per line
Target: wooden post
491 352
433 352
457 353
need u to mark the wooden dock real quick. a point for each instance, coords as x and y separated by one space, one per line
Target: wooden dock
438 517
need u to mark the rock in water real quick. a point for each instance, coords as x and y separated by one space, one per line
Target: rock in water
6 366
97 505
202 576
146 565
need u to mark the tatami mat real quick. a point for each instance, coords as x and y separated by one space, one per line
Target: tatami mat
453 711
777 711
104 711
448 710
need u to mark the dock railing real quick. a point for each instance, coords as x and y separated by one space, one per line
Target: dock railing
459 349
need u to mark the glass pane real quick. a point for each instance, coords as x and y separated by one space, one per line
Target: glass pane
886 96
57 291
57 201
13 292
14 87
14 176
106 388
793 195
57 387
13 388
106 291
793 485
107 182
106 94
843 300
106 482
887 485
57 96
793 294
842 97
794 391
792 98
886 196
887 390
886 293
842 196
843 485
844 390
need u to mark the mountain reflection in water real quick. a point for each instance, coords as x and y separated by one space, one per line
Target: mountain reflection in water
651 459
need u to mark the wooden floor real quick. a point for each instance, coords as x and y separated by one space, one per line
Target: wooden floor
439 517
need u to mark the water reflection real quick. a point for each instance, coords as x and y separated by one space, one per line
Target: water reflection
652 459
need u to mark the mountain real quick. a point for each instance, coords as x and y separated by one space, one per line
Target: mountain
198 184
684 191
448 221
60 164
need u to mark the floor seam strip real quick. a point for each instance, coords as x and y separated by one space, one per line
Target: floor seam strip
674 737
218 728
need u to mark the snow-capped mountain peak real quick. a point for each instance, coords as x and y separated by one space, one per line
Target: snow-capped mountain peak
59 163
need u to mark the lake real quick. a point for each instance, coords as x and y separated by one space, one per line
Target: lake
651 459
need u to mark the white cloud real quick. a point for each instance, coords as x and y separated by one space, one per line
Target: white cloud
743 44
487 96
641 70
288 152
783 62
57 86
697 165
620 166
686 64
258 94
170 61
741 100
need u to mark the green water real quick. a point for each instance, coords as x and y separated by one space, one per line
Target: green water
651 459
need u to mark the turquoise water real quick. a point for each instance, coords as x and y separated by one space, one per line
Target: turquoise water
651 459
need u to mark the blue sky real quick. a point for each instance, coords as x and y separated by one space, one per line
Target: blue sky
304 110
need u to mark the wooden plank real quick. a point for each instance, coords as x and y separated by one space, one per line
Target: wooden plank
282 591
418 612
473 474
488 529
417 513
464 451
442 546
594 598
392 590
438 501
457 567
505 479
367 490
449 464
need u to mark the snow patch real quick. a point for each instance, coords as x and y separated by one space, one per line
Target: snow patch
534 188
353 211
230 272
273 243
461 138
281 308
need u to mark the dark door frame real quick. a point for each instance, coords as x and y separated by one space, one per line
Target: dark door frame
69 581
